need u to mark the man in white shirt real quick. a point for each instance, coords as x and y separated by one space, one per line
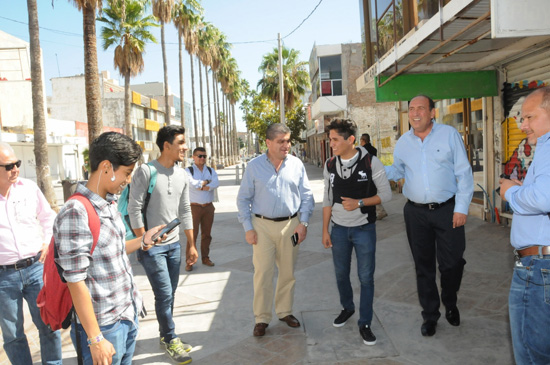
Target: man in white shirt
203 180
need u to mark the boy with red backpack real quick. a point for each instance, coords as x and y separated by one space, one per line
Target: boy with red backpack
101 282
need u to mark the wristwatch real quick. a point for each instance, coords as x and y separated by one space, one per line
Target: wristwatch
305 224
361 203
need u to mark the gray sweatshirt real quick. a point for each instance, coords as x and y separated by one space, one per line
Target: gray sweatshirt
170 199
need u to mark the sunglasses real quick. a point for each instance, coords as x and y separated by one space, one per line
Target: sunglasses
10 166
201 156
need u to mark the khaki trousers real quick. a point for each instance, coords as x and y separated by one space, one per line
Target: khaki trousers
274 247
203 217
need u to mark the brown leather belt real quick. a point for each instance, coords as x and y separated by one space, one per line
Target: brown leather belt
533 250
23 263
201 205
278 219
431 206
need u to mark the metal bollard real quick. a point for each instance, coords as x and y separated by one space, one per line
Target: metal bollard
237 176
243 170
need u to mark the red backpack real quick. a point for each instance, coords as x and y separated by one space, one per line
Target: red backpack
54 300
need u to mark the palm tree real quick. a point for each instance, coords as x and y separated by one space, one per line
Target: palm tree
186 15
91 70
127 27
295 76
206 53
43 177
162 9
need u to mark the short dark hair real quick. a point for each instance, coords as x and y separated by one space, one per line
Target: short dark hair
342 126
273 130
118 149
365 137
199 149
168 134
430 100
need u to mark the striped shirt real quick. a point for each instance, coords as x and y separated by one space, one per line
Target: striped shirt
108 273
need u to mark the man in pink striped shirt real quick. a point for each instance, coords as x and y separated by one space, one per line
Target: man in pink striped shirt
26 222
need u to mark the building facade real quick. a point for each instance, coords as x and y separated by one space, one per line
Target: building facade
477 59
333 71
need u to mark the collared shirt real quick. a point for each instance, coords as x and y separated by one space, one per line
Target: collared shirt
26 221
531 201
435 169
273 194
195 181
107 272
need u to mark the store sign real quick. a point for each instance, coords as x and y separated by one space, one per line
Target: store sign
513 18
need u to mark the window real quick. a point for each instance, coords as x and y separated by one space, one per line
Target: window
330 75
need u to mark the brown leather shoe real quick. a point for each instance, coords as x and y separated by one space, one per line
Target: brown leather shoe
291 321
259 329
188 267
207 262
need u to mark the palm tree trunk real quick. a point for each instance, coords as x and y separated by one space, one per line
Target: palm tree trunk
202 104
43 176
182 103
165 68
216 125
91 71
235 139
127 105
226 130
209 113
218 120
194 103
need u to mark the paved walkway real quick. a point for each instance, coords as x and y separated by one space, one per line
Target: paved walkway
213 307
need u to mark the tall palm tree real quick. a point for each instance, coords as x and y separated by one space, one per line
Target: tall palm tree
295 76
206 53
43 177
91 70
127 27
186 14
162 9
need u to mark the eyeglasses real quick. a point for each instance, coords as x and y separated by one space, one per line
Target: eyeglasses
10 166
201 156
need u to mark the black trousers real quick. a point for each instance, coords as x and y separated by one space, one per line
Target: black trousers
432 236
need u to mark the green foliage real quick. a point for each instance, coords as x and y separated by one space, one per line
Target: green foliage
260 112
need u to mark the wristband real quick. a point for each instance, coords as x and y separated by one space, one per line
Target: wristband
143 244
95 340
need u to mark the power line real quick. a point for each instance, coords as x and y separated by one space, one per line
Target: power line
303 21
62 32
243 42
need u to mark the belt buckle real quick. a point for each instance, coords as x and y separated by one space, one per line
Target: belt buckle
431 206
24 265
517 258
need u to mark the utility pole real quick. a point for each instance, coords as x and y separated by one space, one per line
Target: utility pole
281 86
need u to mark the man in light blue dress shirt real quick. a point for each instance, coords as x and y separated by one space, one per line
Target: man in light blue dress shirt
439 186
529 300
274 189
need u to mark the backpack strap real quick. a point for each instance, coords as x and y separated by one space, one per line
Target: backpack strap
209 170
152 183
93 218
191 170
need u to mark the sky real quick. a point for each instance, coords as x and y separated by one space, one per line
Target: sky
250 25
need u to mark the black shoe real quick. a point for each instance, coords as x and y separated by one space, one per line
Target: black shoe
368 337
428 328
342 318
453 316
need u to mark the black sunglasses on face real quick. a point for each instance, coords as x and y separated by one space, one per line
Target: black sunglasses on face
201 156
10 166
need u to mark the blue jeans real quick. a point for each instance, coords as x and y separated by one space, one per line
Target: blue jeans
363 239
162 266
121 334
16 285
529 306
